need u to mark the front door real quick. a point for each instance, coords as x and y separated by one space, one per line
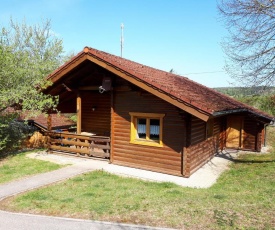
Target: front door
234 132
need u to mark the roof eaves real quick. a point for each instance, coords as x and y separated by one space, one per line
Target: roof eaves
40 126
271 119
225 112
232 111
66 65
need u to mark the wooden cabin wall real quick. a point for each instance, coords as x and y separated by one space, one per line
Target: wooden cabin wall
98 121
222 139
202 149
166 159
252 134
263 137
198 130
259 142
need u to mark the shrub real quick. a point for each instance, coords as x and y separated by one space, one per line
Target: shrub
13 133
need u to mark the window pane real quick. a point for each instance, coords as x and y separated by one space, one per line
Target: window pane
154 129
141 128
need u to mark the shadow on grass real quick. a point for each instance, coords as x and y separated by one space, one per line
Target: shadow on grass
4 155
234 156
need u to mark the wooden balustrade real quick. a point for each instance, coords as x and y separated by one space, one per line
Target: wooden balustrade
95 146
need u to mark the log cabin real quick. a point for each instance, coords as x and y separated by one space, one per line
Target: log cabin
148 118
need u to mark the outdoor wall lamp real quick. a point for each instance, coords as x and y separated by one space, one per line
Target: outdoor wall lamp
93 108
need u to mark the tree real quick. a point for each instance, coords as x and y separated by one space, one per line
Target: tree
27 55
250 46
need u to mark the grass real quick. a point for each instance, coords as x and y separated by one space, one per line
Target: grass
243 198
18 166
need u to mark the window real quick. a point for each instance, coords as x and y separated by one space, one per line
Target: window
146 129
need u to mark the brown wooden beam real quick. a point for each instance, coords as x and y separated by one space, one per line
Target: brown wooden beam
88 87
78 113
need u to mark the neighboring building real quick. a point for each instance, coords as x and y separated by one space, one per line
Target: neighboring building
35 127
58 122
156 120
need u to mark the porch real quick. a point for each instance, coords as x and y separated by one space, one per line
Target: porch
85 144
91 134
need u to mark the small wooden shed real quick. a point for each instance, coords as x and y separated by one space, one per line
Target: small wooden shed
155 120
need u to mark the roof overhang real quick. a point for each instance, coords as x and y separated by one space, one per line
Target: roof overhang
59 76
130 77
262 117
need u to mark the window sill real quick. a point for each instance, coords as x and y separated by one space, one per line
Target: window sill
147 143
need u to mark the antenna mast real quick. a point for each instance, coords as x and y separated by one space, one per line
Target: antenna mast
121 39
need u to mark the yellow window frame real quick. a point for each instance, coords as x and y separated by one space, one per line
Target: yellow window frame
134 117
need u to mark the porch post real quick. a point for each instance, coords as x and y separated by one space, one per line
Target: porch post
78 112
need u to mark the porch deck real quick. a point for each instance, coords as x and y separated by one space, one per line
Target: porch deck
86 144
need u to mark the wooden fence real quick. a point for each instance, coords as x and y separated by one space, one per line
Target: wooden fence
96 146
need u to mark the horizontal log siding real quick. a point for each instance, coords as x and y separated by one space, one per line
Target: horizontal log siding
252 134
201 150
217 126
198 130
98 121
166 159
222 122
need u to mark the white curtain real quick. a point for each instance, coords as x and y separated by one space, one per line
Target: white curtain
141 129
154 129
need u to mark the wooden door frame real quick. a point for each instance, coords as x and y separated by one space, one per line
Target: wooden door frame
241 134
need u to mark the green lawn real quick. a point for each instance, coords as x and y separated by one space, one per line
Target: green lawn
243 198
18 166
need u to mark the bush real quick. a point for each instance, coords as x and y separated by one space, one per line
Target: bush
263 102
13 133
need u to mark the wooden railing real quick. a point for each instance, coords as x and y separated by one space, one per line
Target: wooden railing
96 146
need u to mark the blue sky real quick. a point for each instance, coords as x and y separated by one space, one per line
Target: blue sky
166 34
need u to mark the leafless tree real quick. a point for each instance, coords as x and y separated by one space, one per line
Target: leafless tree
250 46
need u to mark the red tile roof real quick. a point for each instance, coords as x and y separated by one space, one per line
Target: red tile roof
58 121
179 87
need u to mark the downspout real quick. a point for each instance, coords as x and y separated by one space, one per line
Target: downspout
265 125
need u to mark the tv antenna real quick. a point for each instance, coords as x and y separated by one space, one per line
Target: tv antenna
121 39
